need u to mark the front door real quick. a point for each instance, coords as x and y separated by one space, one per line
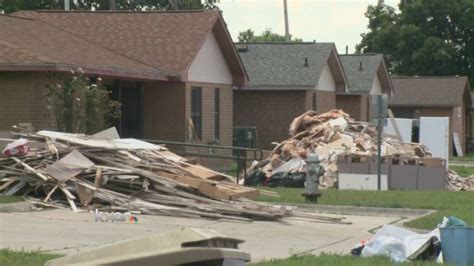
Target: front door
130 124
131 113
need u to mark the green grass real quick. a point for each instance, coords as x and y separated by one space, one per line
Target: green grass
459 204
335 260
466 158
24 258
10 199
462 170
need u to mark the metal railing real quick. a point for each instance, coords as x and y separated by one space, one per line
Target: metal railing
238 154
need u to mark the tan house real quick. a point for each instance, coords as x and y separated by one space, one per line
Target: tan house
448 96
285 80
367 75
165 67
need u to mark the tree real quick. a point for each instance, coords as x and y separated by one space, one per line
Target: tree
10 6
427 37
266 36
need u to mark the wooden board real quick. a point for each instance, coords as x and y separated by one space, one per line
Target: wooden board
457 145
200 171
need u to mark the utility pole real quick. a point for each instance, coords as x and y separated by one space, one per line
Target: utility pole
287 28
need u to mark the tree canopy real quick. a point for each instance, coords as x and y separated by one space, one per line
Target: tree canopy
427 37
266 36
10 6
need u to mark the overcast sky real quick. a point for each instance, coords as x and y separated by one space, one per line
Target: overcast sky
338 21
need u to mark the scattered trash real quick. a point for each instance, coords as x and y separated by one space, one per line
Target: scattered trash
122 175
328 135
452 242
16 148
456 183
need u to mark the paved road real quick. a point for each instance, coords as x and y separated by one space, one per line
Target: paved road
62 231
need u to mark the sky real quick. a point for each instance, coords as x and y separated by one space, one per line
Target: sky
338 21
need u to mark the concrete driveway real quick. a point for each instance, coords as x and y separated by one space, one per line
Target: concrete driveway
63 231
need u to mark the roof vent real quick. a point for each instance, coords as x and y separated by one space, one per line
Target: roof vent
242 48
360 66
306 62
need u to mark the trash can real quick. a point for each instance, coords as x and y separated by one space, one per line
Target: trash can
457 245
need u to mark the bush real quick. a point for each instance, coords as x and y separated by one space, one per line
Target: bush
78 106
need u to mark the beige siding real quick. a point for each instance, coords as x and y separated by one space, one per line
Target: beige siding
326 80
210 64
376 87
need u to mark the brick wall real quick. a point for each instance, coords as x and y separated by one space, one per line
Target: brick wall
357 106
351 104
164 111
270 111
22 100
208 123
208 111
325 101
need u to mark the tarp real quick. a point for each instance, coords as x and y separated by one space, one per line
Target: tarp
401 244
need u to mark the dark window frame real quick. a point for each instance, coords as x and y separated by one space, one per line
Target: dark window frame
196 109
217 113
314 101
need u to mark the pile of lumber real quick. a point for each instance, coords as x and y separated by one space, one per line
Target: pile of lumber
328 135
105 172
456 182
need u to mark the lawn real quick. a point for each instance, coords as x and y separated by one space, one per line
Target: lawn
10 199
466 158
460 204
335 260
24 258
462 170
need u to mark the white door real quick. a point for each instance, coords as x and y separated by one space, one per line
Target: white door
434 133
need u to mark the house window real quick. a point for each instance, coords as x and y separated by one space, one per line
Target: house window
217 113
196 109
314 101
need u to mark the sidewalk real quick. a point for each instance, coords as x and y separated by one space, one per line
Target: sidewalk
62 231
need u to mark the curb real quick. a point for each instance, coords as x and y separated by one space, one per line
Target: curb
365 211
23 206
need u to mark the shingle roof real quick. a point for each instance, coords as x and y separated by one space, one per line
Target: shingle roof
168 41
30 43
429 91
361 80
282 64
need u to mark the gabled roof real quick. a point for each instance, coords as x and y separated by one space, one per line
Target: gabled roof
30 45
440 91
362 69
166 41
274 65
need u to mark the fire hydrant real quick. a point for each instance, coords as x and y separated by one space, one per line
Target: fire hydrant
314 171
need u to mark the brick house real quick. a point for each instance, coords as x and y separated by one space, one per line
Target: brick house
285 80
367 75
440 96
166 68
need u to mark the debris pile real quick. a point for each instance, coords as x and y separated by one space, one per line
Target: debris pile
105 172
456 182
328 135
